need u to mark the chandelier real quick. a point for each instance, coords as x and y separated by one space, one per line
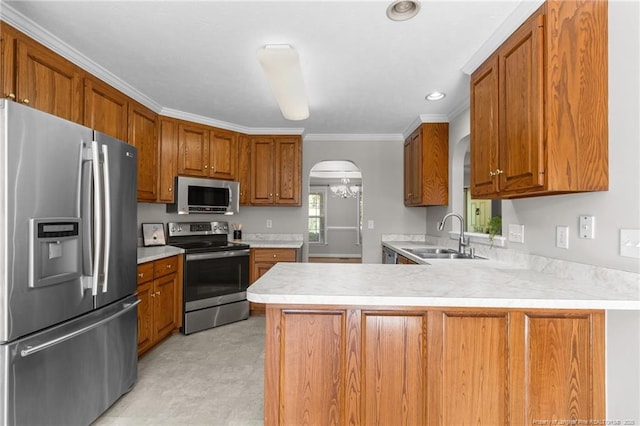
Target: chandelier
344 190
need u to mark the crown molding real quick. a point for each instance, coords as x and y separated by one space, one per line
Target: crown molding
462 107
47 39
513 21
352 137
195 118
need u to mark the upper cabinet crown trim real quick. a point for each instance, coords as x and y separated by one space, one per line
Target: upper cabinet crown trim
47 39
517 17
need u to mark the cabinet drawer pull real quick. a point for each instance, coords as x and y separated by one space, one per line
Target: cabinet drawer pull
169 266
141 274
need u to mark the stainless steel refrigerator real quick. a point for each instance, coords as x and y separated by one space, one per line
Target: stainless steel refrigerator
68 313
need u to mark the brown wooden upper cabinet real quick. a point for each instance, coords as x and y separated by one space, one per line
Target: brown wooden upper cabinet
143 124
223 154
207 152
105 108
426 166
193 150
276 172
167 158
36 76
244 169
539 106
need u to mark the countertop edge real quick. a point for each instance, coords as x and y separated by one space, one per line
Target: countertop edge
441 302
149 254
271 243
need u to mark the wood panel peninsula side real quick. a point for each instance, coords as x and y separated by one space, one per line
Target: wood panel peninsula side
481 343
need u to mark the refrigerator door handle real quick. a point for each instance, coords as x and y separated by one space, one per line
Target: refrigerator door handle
86 213
107 216
30 350
97 223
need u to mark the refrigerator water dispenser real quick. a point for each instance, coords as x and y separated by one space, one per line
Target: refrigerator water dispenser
55 251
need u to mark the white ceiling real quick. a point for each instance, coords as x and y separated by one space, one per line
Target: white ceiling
365 74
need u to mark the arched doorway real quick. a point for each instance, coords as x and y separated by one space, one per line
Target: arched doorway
335 212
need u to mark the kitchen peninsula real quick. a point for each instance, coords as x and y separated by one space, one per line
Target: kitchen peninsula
475 341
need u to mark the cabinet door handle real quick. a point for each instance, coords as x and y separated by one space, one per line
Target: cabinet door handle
153 295
498 172
25 101
170 189
157 293
11 96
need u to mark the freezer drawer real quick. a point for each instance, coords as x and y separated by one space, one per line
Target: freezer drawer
71 373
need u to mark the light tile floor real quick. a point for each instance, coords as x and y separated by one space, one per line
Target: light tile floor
213 377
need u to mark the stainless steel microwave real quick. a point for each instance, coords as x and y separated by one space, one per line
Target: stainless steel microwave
201 195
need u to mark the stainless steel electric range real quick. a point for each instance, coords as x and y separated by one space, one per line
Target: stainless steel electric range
216 274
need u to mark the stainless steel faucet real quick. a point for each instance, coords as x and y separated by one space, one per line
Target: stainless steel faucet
462 241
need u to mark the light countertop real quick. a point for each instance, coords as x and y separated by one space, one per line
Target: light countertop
271 243
148 254
452 283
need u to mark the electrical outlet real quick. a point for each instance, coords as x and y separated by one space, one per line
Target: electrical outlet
516 233
269 223
562 237
370 224
587 227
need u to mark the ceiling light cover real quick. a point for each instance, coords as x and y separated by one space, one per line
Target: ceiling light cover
401 10
435 96
281 65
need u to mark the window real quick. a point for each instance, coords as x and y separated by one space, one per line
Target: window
317 212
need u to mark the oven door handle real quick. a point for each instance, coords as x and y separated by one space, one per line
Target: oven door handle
217 255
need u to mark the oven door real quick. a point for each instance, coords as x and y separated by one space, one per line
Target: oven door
215 278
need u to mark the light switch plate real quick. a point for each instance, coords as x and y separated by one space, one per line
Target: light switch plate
587 227
516 233
370 224
630 243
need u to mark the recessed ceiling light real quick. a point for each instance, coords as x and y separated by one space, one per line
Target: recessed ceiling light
435 96
401 10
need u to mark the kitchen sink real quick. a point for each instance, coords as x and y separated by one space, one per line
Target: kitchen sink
439 253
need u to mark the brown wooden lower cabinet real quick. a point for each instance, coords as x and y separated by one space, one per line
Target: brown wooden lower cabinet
433 366
263 259
160 294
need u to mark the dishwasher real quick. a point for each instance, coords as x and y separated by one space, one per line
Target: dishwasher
389 256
